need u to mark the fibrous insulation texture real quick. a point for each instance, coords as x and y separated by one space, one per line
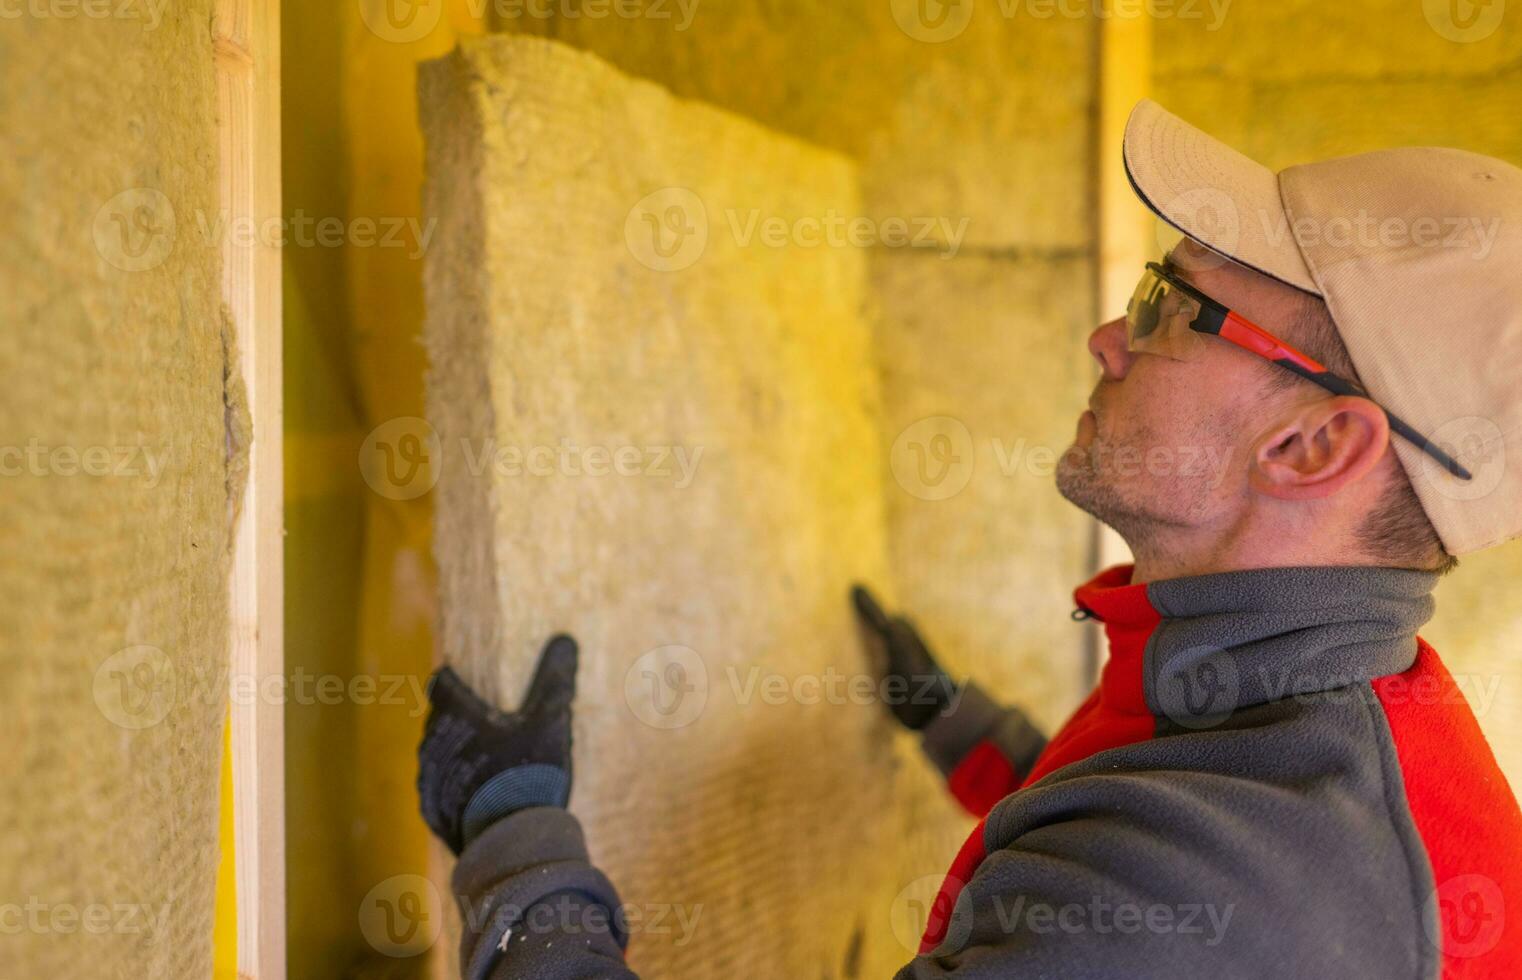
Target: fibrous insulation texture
656 409
113 487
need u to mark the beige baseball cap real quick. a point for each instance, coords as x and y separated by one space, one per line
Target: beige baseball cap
1417 252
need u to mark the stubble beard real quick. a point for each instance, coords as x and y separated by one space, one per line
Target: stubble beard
1140 506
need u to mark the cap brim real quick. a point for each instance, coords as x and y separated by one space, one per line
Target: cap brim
1212 193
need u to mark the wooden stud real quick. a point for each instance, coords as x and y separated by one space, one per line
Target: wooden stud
246 37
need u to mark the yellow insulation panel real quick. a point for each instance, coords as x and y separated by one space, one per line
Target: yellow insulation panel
958 111
113 587
661 435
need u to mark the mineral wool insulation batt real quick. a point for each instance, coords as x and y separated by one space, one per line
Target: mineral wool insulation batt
115 527
661 435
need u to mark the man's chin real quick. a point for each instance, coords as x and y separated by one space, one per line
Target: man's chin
1084 486
1076 478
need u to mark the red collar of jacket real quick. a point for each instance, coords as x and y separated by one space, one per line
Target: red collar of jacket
1128 619
1218 641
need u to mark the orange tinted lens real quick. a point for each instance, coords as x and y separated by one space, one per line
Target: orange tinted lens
1158 318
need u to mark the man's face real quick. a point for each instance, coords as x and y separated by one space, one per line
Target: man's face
1167 443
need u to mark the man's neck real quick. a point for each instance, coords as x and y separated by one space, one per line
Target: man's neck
1202 551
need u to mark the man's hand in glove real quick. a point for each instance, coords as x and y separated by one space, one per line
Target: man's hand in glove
916 688
478 764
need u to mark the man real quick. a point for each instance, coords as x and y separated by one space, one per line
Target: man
1270 739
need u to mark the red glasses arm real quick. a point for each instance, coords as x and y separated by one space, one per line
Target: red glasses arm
1245 333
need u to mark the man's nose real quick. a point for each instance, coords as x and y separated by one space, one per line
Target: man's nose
1108 345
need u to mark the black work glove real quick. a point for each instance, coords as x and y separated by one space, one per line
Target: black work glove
917 689
477 764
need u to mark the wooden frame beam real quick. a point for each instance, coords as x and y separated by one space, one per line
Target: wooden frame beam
246 38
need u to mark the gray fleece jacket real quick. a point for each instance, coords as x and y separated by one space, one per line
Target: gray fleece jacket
1253 790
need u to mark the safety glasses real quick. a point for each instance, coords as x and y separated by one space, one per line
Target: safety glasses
1168 316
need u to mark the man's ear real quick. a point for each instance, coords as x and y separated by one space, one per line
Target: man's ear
1317 448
